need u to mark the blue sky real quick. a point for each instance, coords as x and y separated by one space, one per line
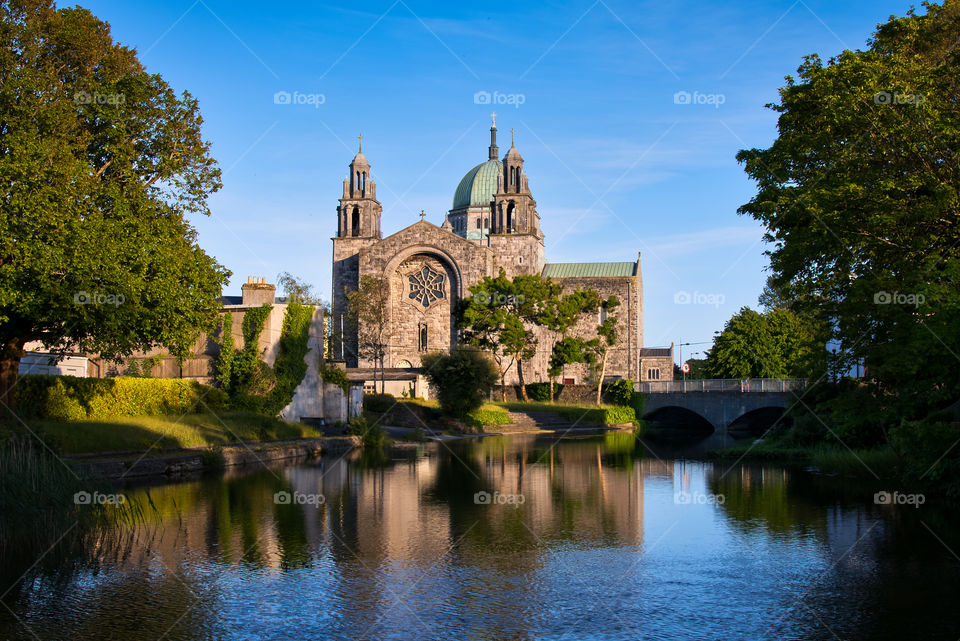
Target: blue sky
616 165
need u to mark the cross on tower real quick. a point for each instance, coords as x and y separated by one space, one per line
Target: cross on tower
493 117
422 215
511 137
360 143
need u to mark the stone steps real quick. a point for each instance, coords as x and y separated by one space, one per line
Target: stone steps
542 420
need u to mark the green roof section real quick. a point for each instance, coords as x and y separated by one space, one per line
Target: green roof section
478 186
589 270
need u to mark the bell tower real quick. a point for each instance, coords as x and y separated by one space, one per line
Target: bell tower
359 211
358 227
515 223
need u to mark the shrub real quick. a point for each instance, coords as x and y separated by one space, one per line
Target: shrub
62 404
378 402
371 436
638 401
72 398
616 414
540 392
619 392
462 379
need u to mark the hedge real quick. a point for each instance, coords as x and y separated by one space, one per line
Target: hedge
378 402
540 392
72 398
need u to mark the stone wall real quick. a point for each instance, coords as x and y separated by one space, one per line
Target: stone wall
579 393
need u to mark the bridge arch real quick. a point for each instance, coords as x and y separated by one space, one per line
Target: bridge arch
756 422
677 417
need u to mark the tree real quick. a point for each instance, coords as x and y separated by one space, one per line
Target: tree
562 313
368 309
297 290
462 379
535 302
607 332
100 162
774 344
492 319
858 195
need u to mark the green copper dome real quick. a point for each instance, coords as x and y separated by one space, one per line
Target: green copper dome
479 185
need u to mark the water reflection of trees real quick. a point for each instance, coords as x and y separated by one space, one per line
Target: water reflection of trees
383 535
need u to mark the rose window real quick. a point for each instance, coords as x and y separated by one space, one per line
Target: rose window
426 286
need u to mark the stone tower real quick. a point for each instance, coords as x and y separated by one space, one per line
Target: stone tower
358 226
515 224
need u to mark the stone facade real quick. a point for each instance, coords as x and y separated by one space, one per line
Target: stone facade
656 364
492 225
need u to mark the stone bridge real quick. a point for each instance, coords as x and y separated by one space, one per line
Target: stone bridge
721 402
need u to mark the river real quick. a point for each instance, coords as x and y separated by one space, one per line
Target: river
523 537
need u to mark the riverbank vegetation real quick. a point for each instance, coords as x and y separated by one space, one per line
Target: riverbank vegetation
858 196
154 433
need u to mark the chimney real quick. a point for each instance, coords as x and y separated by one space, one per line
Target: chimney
257 291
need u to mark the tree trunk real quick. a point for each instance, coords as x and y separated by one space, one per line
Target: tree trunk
503 386
551 389
383 375
9 368
603 368
523 388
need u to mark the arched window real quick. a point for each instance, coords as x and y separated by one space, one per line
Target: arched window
478 224
356 185
511 208
355 221
422 337
486 223
363 184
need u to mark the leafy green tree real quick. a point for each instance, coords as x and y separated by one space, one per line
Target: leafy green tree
297 291
774 344
462 379
859 197
562 312
100 162
368 309
492 319
597 348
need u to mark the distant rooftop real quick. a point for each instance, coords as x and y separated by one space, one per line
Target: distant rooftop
589 270
652 352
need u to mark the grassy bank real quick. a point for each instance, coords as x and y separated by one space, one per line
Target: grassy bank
581 414
830 459
140 433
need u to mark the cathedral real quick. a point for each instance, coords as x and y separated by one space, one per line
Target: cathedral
493 224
